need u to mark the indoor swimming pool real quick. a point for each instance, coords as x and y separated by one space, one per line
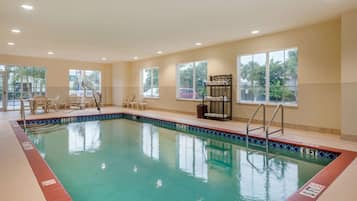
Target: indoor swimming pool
122 159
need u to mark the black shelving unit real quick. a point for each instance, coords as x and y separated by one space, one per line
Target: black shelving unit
218 97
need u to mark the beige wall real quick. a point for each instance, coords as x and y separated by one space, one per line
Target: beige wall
121 74
319 98
349 75
57 73
318 73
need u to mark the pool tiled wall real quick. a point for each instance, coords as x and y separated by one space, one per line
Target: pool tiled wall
233 137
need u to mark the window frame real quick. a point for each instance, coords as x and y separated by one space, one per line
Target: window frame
152 81
267 79
82 77
193 80
6 73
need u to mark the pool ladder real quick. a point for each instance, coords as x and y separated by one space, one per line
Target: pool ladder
22 113
266 127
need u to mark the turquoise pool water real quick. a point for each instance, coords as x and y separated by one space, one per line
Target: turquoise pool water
125 160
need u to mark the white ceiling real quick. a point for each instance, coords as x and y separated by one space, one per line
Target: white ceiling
119 30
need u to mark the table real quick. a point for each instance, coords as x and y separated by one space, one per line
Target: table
32 103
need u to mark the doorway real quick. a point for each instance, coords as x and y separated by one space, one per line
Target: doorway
3 91
18 83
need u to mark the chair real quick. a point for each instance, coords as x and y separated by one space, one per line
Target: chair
126 102
88 102
133 104
142 105
76 102
54 103
39 102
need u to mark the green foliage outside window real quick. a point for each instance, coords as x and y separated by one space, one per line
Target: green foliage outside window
191 77
282 77
151 82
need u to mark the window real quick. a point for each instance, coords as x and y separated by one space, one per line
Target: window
23 82
150 82
190 80
91 78
269 77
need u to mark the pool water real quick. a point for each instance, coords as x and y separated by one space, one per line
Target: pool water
125 160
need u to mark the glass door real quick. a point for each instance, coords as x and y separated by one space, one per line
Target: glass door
24 83
3 91
18 83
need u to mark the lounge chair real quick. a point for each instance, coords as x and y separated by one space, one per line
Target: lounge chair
76 102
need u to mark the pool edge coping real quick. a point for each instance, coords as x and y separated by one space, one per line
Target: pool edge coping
50 185
57 192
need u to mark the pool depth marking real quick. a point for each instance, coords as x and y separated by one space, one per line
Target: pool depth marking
312 190
27 146
48 182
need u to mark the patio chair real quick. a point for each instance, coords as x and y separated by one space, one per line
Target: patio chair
129 102
39 102
141 104
76 102
54 103
126 102
132 102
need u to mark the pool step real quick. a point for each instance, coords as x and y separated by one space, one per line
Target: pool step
43 128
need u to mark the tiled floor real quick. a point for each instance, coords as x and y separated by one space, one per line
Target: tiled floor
17 181
16 171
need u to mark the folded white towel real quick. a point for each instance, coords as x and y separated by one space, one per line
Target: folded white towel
216 98
216 115
209 83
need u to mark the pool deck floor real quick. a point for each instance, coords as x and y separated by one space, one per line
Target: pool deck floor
18 183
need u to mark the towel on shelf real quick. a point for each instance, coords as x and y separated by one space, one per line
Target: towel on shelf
223 82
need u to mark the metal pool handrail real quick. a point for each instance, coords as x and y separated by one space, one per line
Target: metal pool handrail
280 107
265 162
22 112
251 119
98 101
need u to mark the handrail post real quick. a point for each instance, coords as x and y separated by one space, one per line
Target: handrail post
266 141
251 119
22 112
267 133
246 136
264 117
282 119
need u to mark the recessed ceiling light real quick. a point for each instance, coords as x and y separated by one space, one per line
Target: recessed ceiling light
104 58
11 43
15 30
50 53
27 7
198 44
159 52
136 58
255 32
